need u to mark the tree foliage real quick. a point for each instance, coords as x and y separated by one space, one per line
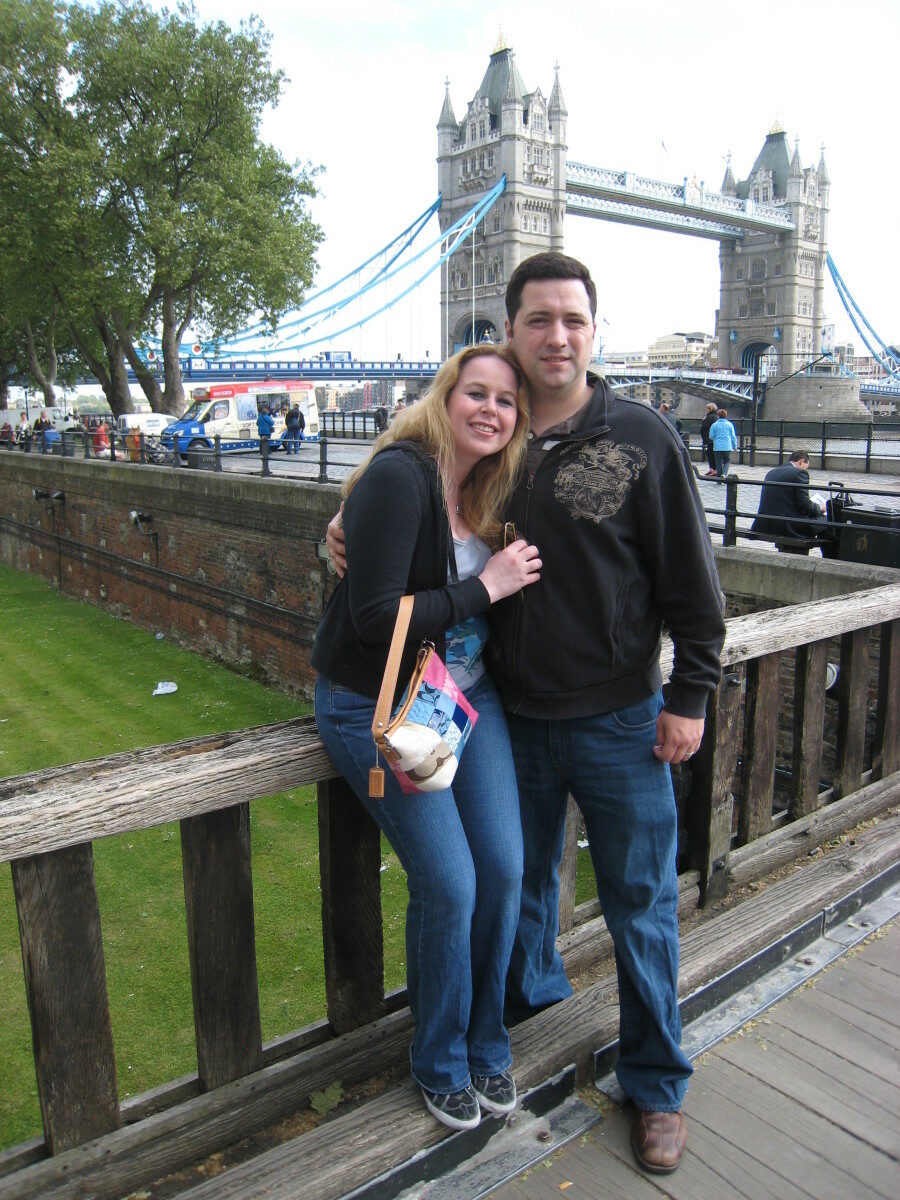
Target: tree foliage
143 200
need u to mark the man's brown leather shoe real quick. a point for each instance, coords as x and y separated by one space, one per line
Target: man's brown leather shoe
657 1139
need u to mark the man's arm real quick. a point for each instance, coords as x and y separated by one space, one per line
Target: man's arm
335 542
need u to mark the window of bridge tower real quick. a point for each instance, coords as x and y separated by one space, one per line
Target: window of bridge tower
495 223
472 131
758 268
539 122
481 128
742 310
479 274
490 158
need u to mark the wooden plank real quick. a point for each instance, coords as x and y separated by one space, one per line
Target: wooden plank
711 803
809 720
352 933
853 704
823 1028
218 894
63 806
568 869
568 1032
886 751
824 1084
872 1024
797 1143
797 838
65 983
760 729
870 995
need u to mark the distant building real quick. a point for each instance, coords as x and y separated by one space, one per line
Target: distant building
679 349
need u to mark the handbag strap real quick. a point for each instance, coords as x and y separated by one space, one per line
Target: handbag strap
392 668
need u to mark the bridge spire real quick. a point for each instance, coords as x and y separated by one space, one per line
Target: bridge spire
447 120
822 170
729 187
557 104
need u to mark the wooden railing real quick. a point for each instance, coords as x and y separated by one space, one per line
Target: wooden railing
49 819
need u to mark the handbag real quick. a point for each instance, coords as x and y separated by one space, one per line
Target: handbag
423 740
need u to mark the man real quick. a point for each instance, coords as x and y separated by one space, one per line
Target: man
610 500
712 412
785 507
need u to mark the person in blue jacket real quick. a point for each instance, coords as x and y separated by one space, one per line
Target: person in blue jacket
723 439
265 425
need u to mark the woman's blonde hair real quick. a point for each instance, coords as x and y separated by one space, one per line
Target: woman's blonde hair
488 486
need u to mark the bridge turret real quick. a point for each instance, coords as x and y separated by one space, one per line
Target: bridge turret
507 130
729 187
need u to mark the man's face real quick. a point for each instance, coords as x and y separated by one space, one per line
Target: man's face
553 335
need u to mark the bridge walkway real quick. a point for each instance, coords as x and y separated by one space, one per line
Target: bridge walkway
802 1102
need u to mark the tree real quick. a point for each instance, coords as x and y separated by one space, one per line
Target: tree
136 197
211 220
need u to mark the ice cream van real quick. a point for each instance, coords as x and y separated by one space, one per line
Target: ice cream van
231 409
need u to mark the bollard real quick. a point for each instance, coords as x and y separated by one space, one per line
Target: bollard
43 449
869 448
86 440
824 443
264 451
323 459
142 449
26 445
176 453
112 445
217 443
781 443
729 538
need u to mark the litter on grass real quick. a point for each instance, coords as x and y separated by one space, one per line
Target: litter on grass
164 689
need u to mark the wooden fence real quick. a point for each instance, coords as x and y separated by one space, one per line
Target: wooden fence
49 819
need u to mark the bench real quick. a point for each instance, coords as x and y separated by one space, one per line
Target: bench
787 545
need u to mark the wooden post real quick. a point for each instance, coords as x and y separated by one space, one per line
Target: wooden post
760 728
218 896
853 704
568 869
352 934
886 756
65 982
809 720
711 803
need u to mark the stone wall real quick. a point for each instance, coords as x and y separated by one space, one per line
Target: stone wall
227 566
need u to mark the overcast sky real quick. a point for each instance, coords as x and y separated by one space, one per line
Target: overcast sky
661 89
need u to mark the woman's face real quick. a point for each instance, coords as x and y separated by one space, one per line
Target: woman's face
482 408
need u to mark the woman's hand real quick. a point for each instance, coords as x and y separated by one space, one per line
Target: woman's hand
509 570
335 543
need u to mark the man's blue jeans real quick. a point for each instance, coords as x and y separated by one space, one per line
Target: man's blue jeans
625 794
462 852
291 439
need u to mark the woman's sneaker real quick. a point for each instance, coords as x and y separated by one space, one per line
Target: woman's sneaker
458 1110
496 1093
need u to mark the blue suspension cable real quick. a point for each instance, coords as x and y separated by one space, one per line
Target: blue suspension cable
476 214
416 226
893 361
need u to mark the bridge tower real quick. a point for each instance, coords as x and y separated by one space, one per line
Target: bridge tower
772 284
506 129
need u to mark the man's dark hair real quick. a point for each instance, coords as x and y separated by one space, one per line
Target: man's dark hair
799 456
549 265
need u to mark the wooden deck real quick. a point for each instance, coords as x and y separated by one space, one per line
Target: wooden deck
803 1102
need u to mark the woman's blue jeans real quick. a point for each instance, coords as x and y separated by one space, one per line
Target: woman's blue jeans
625 793
461 849
723 462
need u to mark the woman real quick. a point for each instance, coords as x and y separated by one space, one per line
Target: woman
723 438
419 518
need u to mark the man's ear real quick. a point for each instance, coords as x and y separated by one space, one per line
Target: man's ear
507 329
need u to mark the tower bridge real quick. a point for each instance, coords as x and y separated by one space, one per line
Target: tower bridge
772 229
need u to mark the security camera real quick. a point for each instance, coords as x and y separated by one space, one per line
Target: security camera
138 518
58 497
40 493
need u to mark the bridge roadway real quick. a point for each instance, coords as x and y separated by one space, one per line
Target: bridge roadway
343 456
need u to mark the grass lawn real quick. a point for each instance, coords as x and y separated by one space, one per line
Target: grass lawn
75 684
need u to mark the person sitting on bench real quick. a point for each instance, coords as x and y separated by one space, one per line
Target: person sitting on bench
786 510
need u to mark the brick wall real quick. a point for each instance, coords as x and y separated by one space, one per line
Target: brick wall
227 566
